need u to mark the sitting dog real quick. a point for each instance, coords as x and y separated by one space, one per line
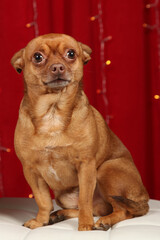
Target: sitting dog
64 143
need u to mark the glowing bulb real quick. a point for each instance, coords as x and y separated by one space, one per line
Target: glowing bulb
145 25
93 18
30 195
28 25
98 91
108 62
148 6
8 150
156 97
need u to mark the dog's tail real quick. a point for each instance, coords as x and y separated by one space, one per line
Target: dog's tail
135 208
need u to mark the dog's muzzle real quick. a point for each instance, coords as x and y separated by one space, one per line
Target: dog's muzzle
57 76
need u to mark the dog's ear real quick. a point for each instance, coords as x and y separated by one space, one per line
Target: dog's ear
86 52
17 60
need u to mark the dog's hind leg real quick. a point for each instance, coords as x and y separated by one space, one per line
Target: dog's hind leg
123 208
62 215
120 185
116 216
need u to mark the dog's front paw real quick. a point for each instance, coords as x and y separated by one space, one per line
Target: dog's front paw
85 227
33 223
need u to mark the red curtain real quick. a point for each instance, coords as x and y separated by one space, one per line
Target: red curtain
131 77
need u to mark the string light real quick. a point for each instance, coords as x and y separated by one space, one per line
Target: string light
108 62
98 91
28 25
93 18
156 27
30 195
102 41
150 5
34 23
107 39
5 149
156 97
150 27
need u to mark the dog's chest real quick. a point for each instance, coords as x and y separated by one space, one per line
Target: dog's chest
58 173
51 123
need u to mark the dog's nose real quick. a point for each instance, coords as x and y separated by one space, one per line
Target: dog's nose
57 68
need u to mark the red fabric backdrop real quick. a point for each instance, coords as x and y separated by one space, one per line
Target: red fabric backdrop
131 78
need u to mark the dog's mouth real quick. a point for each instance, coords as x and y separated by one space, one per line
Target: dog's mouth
57 83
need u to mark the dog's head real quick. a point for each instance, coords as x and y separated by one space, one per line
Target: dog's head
52 61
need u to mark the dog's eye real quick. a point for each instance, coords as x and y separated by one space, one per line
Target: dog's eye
71 54
37 57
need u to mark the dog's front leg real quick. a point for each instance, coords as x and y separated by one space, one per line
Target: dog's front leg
42 196
87 184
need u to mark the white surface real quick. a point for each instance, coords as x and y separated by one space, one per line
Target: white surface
15 211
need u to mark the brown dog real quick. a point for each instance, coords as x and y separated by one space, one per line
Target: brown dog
65 144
